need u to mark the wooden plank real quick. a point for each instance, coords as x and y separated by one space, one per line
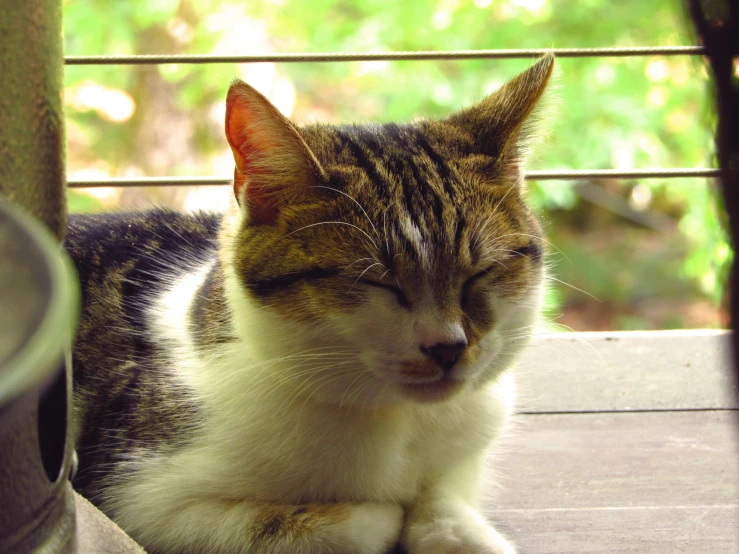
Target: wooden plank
650 483
618 460
96 533
660 370
691 530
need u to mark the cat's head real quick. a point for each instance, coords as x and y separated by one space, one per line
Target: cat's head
397 260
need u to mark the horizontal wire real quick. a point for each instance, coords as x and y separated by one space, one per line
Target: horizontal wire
299 57
566 175
657 173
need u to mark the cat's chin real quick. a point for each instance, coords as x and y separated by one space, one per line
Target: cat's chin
433 391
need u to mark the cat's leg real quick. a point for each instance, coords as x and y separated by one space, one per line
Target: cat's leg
225 526
445 520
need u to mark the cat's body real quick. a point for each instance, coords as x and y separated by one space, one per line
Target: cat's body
321 369
125 398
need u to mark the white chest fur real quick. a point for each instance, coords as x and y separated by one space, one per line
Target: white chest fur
319 453
323 455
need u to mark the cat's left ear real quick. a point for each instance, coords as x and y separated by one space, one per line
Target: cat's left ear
274 166
503 125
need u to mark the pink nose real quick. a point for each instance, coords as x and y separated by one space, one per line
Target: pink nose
445 354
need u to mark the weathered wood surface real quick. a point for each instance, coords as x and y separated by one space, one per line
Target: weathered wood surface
630 444
620 460
99 535
627 371
682 530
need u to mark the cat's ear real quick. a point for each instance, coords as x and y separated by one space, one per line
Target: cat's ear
503 124
274 165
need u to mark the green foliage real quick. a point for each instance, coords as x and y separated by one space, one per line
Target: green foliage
607 112
82 203
710 255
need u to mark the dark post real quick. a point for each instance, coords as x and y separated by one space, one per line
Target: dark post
31 117
717 23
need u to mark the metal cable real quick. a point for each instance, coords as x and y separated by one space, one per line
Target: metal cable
591 174
587 174
378 56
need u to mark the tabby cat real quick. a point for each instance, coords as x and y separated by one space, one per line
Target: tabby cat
322 368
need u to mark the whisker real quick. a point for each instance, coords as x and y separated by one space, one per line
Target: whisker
341 403
377 399
334 379
384 227
359 260
478 234
353 200
311 381
356 395
575 288
365 271
537 238
335 223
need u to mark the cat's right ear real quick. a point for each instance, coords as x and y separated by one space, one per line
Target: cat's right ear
503 125
274 165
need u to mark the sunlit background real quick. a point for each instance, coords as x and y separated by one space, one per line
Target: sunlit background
634 254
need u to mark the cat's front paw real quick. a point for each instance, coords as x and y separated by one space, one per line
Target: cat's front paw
440 538
459 531
373 528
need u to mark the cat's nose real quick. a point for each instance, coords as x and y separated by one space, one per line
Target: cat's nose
445 354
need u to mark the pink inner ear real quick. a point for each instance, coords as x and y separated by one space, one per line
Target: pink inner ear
246 133
248 136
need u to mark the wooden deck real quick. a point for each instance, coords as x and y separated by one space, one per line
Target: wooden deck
627 443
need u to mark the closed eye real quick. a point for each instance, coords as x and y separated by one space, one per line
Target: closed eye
484 273
488 271
531 251
399 294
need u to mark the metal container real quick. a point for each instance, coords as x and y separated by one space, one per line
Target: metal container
39 303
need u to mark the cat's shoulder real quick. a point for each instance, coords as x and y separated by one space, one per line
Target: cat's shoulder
122 228
116 239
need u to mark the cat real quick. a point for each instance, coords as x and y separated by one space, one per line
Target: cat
322 368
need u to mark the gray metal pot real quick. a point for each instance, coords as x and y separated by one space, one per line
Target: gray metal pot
39 303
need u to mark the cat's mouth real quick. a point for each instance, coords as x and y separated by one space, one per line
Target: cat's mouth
432 391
